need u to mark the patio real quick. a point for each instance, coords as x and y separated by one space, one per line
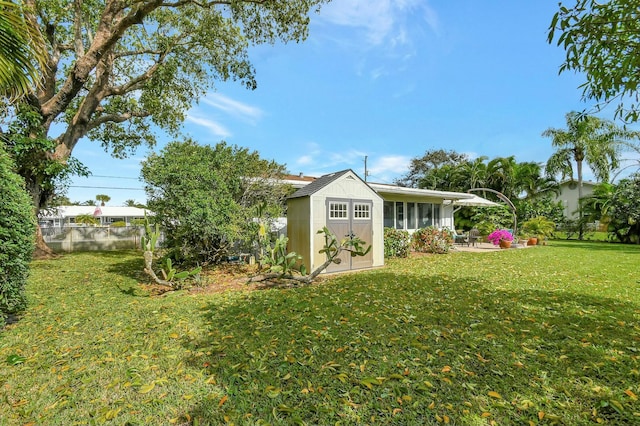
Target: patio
482 247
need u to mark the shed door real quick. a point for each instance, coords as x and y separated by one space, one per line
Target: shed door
347 219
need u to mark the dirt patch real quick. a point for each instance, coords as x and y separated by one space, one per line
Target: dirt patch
223 278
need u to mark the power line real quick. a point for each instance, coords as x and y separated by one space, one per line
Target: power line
111 177
104 187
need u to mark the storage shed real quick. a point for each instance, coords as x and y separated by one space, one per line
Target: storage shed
348 207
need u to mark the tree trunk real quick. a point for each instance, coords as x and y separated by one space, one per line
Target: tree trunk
42 250
580 222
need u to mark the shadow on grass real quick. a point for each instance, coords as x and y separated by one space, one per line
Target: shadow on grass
402 349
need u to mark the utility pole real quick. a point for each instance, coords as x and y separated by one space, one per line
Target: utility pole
366 172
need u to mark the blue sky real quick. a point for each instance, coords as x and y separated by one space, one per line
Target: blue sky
387 79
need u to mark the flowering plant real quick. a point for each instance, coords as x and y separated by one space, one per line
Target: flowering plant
500 235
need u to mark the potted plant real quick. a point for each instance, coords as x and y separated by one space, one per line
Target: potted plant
501 237
538 228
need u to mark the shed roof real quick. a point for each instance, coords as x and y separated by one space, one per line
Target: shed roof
319 183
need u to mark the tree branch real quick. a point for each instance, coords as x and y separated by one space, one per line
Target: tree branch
115 118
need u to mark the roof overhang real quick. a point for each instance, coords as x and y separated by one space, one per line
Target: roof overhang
476 201
382 189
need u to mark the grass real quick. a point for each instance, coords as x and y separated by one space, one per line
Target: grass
546 335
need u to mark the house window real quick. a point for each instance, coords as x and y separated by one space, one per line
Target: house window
338 210
411 216
388 214
361 211
399 215
436 215
425 215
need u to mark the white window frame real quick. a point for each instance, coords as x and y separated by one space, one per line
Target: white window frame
361 211
341 213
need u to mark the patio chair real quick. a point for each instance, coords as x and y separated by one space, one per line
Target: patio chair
458 238
474 235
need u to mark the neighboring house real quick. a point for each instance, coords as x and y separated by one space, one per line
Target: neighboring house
66 215
569 196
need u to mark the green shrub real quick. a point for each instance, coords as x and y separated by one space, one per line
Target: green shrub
17 238
118 224
397 243
432 240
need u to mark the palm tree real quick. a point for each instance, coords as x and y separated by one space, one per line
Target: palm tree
587 139
22 50
531 180
103 199
501 176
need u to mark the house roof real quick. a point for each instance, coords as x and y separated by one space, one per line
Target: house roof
381 188
107 211
307 186
570 182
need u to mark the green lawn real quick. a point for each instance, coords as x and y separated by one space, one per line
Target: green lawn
545 335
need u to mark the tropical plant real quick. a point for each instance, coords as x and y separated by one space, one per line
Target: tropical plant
432 240
601 42
282 265
17 236
276 260
490 218
22 51
87 219
589 140
624 210
170 276
397 242
499 235
539 226
540 206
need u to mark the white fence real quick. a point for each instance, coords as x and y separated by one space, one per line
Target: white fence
87 238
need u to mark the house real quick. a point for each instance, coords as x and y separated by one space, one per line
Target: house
65 216
411 208
348 206
569 196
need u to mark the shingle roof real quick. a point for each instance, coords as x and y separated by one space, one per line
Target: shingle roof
318 184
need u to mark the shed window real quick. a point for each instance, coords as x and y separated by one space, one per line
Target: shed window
361 211
338 210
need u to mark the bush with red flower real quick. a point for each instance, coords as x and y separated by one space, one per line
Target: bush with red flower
500 235
432 240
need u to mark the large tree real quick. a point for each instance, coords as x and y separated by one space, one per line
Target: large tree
206 197
118 69
602 40
587 139
423 171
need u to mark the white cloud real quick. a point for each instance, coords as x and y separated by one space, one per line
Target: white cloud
233 107
215 128
381 20
387 168
305 160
